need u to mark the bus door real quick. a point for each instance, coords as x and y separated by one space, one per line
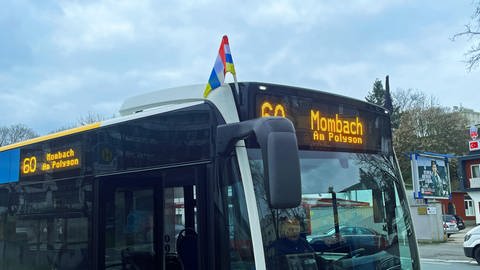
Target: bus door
184 218
152 220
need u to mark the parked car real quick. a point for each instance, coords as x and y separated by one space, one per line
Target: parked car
450 225
460 222
471 244
352 238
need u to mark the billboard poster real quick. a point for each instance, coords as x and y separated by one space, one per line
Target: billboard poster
431 176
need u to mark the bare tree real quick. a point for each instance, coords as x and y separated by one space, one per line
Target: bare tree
472 33
15 133
90 118
410 99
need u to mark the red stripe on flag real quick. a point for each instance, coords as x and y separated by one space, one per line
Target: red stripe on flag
221 52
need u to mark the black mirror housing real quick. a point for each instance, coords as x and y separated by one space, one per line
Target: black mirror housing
278 142
284 185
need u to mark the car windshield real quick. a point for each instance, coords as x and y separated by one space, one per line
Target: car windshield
353 214
449 218
350 231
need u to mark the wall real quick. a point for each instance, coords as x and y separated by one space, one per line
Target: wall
467 171
428 228
458 199
474 193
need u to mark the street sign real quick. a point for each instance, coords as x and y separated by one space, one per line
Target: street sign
473 132
473 146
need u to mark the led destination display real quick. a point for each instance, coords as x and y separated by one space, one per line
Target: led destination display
336 128
38 162
321 124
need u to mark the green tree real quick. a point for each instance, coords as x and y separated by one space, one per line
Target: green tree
426 128
377 95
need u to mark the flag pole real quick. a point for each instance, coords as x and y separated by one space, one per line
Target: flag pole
236 83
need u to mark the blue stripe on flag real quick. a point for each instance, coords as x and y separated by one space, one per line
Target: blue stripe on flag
9 166
228 58
213 80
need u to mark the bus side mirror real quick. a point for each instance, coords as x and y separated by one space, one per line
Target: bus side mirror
278 142
283 165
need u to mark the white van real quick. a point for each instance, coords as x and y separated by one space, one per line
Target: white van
471 243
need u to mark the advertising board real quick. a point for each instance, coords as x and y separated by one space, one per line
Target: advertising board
430 176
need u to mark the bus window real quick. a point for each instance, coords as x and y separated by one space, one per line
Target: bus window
349 210
231 220
129 229
180 237
151 221
47 226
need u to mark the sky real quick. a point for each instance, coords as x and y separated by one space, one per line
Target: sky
63 60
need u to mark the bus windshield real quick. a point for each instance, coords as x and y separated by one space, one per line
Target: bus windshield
353 215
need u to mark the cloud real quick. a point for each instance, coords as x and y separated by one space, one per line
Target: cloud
91 55
395 48
433 64
57 86
109 24
344 78
94 26
276 59
50 100
311 13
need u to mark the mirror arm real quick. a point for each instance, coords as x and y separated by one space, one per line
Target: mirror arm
281 165
229 134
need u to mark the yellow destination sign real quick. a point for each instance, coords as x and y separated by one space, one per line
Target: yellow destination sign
50 162
323 128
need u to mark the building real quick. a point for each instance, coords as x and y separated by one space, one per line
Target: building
473 117
463 206
469 171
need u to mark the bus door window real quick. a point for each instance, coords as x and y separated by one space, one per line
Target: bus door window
129 229
232 226
180 238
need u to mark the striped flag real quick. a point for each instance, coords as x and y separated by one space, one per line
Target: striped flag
223 64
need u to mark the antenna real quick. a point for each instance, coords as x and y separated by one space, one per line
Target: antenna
388 98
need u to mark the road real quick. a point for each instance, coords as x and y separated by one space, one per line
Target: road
448 255
430 264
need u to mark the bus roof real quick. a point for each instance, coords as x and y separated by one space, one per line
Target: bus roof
51 136
176 95
161 101
163 108
136 107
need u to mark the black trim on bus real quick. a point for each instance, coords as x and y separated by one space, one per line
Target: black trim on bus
98 241
252 88
247 109
158 203
209 206
155 169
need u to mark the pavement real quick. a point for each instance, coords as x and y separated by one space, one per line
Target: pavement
449 251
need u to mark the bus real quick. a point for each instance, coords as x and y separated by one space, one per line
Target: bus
265 176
